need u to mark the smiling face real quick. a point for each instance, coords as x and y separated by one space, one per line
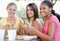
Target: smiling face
11 10
45 10
30 12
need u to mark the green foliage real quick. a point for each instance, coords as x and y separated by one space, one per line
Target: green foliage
21 13
17 0
41 17
0 18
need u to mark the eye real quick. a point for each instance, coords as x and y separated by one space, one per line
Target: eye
10 9
31 9
44 8
14 9
27 10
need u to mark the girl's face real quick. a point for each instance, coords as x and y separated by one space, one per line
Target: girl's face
11 10
45 10
29 11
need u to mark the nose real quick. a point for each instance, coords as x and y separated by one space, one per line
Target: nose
29 11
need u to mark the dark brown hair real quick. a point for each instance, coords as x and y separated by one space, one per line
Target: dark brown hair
49 4
35 10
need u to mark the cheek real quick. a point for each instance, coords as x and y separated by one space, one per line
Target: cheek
14 12
43 13
9 11
47 11
27 13
30 14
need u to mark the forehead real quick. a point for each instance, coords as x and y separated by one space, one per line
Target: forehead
43 5
29 7
12 6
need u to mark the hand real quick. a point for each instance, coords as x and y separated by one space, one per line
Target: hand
22 25
7 26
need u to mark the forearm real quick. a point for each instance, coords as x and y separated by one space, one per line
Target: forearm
43 36
20 31
39 34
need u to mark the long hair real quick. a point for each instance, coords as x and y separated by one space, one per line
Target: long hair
49 4
35 10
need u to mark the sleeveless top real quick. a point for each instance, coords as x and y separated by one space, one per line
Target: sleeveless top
31 24
57 28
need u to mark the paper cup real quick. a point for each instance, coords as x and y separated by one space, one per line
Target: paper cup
2 34
1 40
12 34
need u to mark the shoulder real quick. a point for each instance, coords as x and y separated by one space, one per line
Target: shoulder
38 21
53 19
19 20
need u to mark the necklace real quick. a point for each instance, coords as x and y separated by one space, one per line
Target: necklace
11 21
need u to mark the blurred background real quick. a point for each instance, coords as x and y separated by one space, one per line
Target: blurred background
21 7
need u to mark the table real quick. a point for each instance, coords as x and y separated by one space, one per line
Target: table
6 39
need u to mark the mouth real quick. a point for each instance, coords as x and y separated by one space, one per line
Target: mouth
11 13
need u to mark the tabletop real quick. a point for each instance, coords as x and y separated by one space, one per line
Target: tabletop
6 39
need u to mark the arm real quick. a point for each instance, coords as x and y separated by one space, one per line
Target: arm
34 31
48 37
38 25
21 30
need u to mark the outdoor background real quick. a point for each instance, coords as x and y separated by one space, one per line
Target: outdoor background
21 7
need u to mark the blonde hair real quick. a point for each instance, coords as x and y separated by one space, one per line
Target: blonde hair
11 4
